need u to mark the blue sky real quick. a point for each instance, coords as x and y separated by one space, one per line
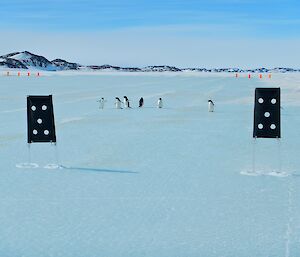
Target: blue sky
162 29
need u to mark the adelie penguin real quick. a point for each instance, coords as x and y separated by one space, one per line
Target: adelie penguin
159 103
101 103
126 102
141 102
118 103
211 106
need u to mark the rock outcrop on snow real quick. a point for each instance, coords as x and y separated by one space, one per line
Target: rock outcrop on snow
161 68
11 63
107 67
64 65
29 60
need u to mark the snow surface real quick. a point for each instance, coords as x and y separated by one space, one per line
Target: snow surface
168 182
21 56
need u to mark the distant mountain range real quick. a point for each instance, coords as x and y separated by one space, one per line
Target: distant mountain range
27 60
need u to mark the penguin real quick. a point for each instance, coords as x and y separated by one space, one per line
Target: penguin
101 103
211 106
159 103
141 102
118 103
125 99
126 102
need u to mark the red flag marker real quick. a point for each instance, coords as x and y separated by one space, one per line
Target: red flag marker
249 76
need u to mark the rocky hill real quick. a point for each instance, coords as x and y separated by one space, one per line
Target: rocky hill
27 60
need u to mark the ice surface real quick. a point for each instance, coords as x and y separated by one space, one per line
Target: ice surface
145 181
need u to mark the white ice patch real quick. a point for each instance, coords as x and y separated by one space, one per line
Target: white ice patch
27 165
274 173
52 166
68 120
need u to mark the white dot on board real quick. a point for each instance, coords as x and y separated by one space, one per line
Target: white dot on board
260 100
34 132
46 132
273 101
267 114
260 126
33 108
273 126
44 107
39 121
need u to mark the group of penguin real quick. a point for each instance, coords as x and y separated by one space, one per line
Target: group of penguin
126 103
